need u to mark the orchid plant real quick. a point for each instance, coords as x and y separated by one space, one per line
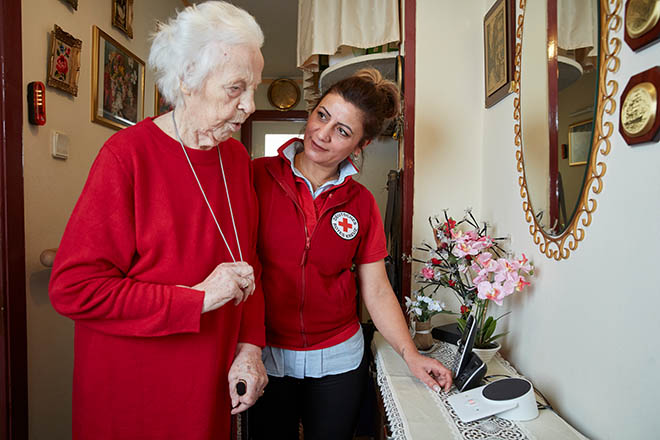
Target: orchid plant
473 265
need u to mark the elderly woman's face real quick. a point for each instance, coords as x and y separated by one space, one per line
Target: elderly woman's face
226 98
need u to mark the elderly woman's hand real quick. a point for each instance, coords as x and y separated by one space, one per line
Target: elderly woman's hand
435 375
248 368
228 281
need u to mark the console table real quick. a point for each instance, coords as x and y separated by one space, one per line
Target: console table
415 412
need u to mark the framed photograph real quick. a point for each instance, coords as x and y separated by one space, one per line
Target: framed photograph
499 40
117 83
64 61
161 106
122 16
579 142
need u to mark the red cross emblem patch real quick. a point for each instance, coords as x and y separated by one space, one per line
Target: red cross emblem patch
345 225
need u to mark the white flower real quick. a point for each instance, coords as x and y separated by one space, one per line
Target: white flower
435 306
417 311
425 299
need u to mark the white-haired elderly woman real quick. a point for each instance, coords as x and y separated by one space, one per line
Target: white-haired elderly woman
157 265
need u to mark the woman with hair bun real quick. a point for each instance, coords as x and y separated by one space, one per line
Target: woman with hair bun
316 224
157 266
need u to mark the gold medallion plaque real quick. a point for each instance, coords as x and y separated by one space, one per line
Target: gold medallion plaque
641 16
283 94
638 111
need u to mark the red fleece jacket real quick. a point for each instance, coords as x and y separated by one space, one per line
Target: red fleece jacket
309 288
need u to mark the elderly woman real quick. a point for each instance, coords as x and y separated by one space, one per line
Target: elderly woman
157 265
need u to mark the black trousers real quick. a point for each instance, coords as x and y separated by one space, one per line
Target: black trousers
328 407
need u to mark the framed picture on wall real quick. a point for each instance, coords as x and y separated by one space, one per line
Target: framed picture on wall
117 83
73 3
122 16
579 142
64 61
499 40
161 106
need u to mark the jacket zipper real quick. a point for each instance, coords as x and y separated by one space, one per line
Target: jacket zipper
308 241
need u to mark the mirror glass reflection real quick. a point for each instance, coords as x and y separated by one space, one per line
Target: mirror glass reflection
558 91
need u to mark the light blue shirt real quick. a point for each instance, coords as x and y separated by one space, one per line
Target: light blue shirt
346 168
340 358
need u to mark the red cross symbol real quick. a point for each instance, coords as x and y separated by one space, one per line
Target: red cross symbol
345 224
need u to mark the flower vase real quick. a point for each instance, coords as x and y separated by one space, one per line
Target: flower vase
486 354
423 338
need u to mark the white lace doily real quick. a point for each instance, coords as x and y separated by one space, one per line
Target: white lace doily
490 428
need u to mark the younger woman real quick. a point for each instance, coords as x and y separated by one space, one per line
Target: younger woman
316 223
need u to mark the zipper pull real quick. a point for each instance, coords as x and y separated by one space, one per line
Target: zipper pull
304 255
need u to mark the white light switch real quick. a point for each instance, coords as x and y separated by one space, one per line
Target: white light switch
60 145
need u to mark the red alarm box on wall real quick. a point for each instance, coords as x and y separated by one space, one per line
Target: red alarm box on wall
37 103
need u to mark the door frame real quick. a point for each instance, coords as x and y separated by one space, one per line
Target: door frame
13 338
268 115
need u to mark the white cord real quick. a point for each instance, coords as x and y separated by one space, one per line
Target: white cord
176 131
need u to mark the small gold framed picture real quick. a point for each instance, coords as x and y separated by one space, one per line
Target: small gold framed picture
64 61
122 16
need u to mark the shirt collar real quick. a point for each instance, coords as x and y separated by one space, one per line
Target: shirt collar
346 168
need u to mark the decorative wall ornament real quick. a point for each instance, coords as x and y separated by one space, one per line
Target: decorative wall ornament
560 246
64 63
122 16
642 23
639 120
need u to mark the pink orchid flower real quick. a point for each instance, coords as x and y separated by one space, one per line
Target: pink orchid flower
486 290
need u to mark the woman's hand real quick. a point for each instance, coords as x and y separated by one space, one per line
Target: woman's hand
247 367
228 281
435 375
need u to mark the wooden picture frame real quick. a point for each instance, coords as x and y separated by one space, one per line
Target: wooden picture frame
641 23
64 61
579 142
73 3
161 106
117 83
499 40
122 16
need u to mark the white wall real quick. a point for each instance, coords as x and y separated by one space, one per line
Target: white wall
52 187
448 112
586 333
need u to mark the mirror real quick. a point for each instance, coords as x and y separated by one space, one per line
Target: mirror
563 92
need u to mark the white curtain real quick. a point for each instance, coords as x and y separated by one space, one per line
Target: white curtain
325 25
577 25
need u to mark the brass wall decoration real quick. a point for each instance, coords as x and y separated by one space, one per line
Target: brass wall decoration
642 23
639 120
559 246
283 94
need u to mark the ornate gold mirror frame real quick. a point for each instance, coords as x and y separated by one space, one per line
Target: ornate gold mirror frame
560 246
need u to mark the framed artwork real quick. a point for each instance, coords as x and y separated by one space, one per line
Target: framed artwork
579 142
161 106
122 16
73 3
64 61
499 39
117 83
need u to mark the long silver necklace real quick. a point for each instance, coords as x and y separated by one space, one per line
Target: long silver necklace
224 179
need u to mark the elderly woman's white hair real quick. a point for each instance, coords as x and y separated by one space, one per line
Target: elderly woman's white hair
188 47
